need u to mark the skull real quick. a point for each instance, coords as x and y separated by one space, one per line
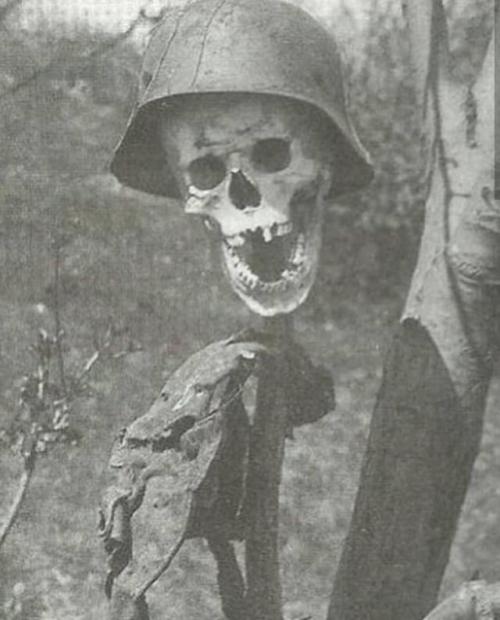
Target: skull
257 169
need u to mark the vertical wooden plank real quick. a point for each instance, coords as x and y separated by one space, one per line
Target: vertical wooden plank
267 442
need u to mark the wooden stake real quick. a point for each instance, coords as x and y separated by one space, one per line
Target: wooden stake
427 423
267 442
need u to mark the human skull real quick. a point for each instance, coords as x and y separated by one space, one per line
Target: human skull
257 168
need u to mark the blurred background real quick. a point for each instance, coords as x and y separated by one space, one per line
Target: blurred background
73 241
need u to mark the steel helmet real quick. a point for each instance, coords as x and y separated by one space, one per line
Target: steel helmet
255 46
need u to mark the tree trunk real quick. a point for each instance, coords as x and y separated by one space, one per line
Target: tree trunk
426 427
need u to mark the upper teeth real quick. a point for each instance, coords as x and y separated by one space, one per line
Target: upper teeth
236 240
197 193
242 275
268 232
285 229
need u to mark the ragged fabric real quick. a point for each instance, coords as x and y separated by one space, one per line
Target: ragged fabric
179 470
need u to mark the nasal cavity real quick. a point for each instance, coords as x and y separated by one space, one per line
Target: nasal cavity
243 193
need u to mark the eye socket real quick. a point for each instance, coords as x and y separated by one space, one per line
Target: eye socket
271 154
207 172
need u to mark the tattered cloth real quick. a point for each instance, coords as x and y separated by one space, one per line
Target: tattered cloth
184 462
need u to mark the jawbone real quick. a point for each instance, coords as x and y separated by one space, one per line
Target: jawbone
281 286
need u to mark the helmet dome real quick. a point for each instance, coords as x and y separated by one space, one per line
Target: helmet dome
217 46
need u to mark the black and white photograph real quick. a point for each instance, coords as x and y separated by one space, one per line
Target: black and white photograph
249 310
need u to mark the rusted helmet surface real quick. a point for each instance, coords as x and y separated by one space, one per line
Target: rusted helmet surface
254 46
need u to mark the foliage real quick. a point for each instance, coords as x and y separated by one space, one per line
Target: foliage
43 417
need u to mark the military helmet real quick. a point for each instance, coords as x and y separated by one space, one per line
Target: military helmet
247 46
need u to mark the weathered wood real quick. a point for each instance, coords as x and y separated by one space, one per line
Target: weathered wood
414 478
267 441
473 601
427 423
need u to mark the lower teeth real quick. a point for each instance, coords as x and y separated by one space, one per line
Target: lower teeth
245 277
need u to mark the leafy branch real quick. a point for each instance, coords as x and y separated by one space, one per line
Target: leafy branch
48 395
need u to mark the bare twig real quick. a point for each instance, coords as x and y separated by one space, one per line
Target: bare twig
87 58
161 569
104 348
57 319
89 364
24 480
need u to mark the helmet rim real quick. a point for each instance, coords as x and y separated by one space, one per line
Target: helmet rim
221 62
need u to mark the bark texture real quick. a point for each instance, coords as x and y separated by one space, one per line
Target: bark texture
427 422
474 601
416 470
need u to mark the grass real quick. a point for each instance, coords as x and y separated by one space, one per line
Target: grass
158 276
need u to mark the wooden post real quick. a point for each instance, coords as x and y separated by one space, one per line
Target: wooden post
267 442
427 423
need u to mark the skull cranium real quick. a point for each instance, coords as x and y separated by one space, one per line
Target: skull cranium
257 168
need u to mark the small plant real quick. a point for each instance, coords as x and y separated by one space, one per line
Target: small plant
48 395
